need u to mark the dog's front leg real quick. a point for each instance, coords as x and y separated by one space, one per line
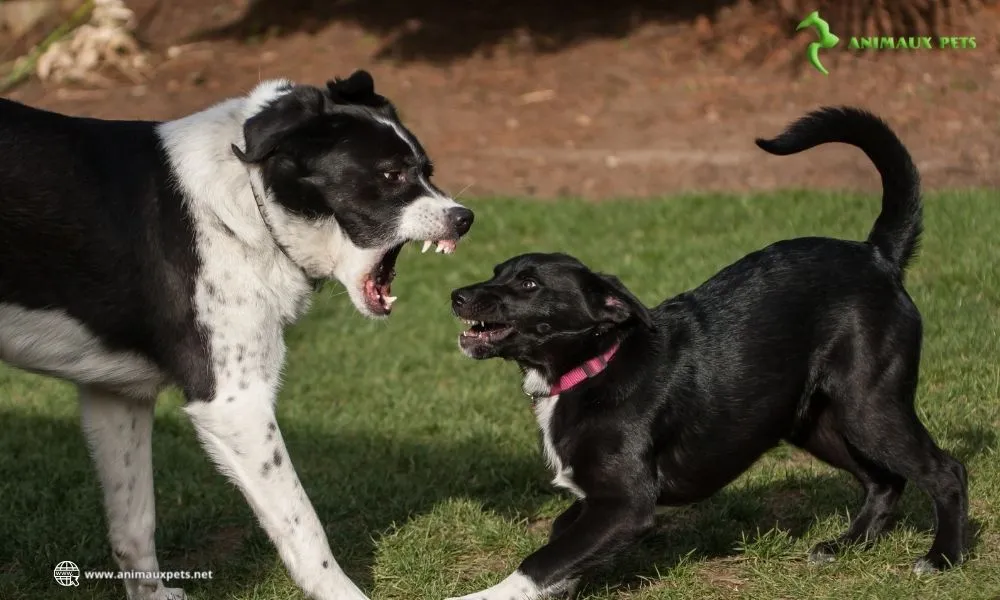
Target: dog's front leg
239 431
602 528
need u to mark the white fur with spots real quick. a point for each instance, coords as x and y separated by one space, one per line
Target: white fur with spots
247 292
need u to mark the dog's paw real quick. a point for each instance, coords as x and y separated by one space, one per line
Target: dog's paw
923 566
165 593
160 593
515 587
482 595
932 563
823 553
487 594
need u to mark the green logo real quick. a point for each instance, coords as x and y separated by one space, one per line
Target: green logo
875 43
826 39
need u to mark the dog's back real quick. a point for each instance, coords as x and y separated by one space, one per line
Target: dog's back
90 228
60 172
801 321
788 295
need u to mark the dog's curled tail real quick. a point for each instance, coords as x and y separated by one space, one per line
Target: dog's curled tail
896 233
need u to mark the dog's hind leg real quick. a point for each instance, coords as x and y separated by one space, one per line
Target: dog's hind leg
875 412
904 446
119 432
882 487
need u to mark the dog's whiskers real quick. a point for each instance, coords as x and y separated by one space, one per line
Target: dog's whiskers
465 189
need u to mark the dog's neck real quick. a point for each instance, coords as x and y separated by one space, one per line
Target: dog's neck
538 384
258 196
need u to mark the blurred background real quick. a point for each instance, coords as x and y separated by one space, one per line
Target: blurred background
534 98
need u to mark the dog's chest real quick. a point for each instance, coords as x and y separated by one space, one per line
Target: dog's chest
545 408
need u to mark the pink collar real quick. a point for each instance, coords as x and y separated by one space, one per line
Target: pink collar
588 369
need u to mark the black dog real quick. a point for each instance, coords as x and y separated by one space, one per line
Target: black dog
813 341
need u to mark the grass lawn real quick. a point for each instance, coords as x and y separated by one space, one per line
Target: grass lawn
425 466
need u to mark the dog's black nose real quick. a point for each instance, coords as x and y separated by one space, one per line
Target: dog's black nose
459 297
461 219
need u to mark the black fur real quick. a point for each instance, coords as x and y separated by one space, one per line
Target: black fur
813 341
68 182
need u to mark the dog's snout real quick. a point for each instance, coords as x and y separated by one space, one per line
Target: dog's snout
461 219
460 297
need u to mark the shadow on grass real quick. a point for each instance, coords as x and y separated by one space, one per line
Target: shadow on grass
361 483
972 441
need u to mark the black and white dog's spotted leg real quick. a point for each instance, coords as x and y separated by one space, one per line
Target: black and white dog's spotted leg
119 432
239 431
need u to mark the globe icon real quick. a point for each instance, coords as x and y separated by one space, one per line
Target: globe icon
66 574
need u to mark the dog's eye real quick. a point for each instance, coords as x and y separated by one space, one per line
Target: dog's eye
394 176
529 284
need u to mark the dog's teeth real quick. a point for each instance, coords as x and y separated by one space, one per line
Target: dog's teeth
427 246
389 300
439 249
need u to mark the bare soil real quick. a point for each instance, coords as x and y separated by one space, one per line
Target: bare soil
548 99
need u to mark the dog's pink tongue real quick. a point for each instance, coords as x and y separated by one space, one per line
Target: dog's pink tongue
371 290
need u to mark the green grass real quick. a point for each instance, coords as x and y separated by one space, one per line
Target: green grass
424 465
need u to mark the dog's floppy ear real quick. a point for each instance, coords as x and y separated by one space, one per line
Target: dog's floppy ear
265 130
618 304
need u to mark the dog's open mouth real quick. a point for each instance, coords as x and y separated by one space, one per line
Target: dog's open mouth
485 331
377 285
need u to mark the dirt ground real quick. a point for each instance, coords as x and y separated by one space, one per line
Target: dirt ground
560 98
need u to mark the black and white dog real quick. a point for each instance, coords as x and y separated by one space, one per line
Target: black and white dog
136 255
812 340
